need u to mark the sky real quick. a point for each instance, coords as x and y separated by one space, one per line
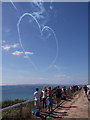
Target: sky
44 43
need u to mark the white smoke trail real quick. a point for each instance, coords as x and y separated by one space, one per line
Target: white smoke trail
37 15
41 10
41 32
48 28
18 24
13 5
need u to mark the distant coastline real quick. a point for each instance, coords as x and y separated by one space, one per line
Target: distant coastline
40 84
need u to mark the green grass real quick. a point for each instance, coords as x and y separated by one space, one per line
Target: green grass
11 102
18 112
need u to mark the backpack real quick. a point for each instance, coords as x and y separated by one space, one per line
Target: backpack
36 112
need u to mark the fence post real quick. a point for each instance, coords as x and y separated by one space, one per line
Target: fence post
21 111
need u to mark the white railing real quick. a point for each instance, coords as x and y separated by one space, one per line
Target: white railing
16 105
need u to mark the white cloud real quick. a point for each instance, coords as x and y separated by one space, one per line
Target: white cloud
17 53
8 47
40 12
21 53
29 53
37 15
14 45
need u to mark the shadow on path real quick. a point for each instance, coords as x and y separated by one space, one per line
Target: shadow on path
55 113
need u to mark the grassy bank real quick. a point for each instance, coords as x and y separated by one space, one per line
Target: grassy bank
17 113
11 102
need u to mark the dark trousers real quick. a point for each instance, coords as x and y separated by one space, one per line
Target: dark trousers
44 102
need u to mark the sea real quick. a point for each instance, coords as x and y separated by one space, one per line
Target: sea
23 92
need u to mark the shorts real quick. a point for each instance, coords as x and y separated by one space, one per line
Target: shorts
49 102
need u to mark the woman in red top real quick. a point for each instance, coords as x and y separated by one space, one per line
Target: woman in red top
49 99
49 92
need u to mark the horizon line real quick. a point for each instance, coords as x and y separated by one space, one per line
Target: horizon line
39 84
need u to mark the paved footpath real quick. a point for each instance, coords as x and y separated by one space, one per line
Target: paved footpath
76 108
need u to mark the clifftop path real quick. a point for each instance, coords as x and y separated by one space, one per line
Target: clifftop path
78 107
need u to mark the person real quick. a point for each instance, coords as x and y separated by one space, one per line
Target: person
64 91
49 92
44 96
85 90
49 103
71 89
58 95
88 94
37 98
49 99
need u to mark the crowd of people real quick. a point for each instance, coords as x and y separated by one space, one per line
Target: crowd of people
75 88
47 97
43 99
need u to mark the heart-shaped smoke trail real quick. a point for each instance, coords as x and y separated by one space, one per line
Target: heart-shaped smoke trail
39 5
41 32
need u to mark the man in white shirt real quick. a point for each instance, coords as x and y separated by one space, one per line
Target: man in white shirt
37 98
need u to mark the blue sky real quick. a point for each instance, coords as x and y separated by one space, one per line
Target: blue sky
45 43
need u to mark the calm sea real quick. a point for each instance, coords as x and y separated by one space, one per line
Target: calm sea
23 92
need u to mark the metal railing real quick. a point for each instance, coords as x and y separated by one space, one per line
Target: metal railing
18 111
16 105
